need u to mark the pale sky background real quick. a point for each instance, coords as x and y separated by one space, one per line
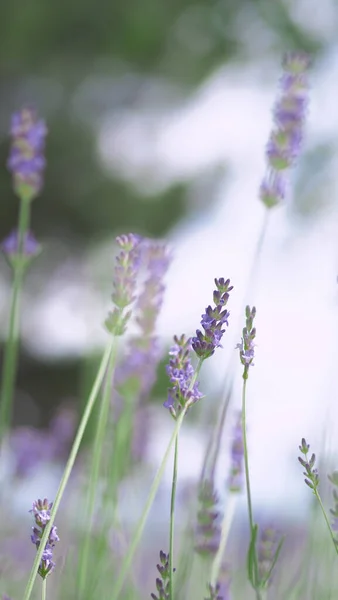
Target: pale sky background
291 390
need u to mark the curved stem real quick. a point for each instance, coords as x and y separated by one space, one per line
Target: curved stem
246 459
326 519
95 468
172 515
143 519
69 466
9 368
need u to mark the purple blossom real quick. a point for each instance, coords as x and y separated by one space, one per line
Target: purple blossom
10 248
144 352
125 281
286 139
235 482
266 552
41 512
218 592
182 375
26 160
213 321
246 345
162 582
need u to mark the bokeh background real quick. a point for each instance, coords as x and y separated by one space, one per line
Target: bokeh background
158 115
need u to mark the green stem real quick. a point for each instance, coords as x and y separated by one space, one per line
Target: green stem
226 525
69 466
141 524
95 468
172 521
9 368
44 589
247 476
326 519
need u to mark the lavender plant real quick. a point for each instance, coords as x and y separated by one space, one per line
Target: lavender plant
312 481
26 163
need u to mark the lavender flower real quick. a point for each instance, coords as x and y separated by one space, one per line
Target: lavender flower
126 269
208 530
162 582
266 553
216 592
213 321
285 141
247 346
311 474
140 365
10 248
235 482
184 388
41 512
26 160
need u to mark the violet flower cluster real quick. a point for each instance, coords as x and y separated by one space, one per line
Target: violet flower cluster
125 282
26 160
41 512
266 552
184 387
311 473
235 482
213 321
285 141
162 582
246 346
10 247
215 592
144 353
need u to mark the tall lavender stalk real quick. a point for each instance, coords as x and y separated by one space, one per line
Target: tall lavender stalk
282 151
184 389
124 295
26 163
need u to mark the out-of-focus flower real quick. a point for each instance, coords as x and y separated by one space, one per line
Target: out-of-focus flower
10 247
235 482
213 321
208 528
125 281
138 368
26 159
285 141
266 551
181 374
41 512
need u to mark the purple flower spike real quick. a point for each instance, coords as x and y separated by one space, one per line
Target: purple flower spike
26 159
235 482
162 582
125 281
213 321
181 374
285 142
41 512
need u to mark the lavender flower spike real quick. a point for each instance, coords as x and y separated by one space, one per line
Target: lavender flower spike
26 160
181 374
213 321
162 582
41 512
125 280
246 345
285 141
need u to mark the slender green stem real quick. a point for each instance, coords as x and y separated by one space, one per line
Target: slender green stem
246 459
44 589
172 522
143 519
69 466
12 343
226 525
247 475
95 468
326 519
